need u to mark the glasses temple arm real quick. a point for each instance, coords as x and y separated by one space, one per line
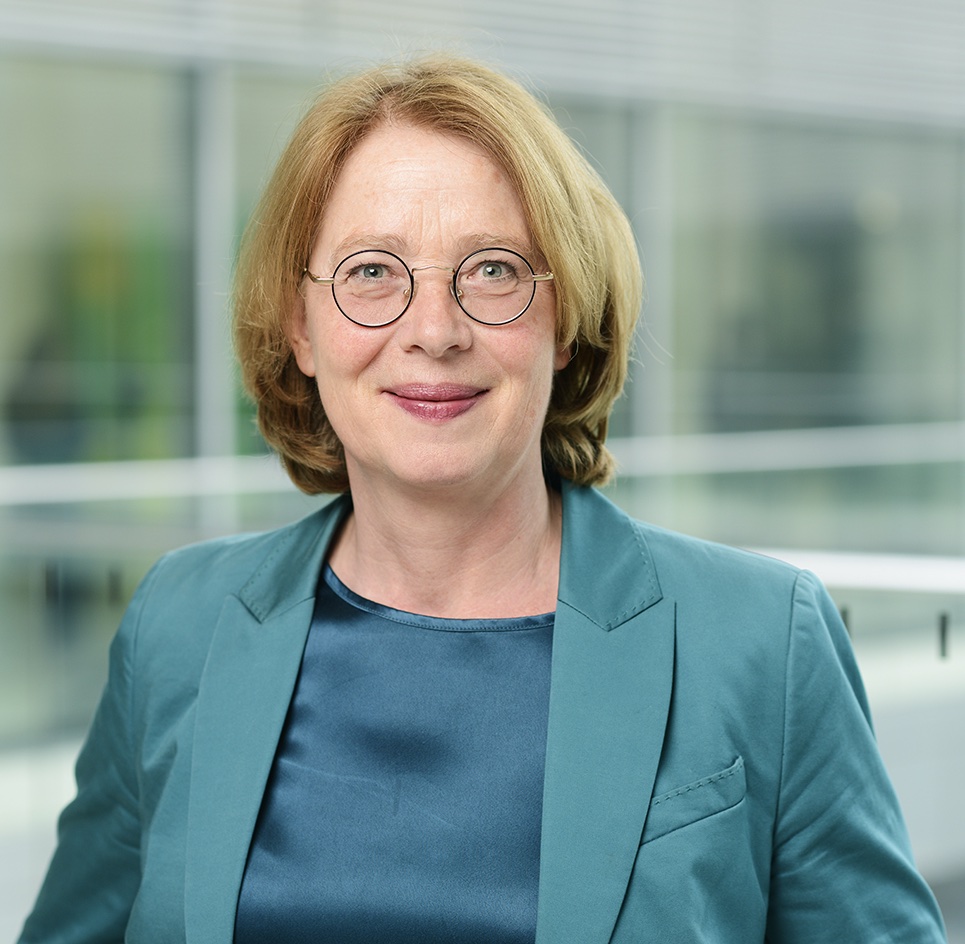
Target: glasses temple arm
317 279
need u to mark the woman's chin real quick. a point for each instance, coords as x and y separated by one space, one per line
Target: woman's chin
435 472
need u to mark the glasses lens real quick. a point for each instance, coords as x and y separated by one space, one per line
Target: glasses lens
372 288
495 286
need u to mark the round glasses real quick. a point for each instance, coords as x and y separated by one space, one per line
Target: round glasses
374 287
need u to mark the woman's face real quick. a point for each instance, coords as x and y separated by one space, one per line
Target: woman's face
433 399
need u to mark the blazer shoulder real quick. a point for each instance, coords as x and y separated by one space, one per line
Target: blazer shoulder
634 564
683 557
606 529
742 599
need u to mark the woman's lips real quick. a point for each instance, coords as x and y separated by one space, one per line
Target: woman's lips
436 401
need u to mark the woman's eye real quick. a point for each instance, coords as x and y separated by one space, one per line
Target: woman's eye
368 272
494 270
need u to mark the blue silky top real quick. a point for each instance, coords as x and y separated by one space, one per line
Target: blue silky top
405 799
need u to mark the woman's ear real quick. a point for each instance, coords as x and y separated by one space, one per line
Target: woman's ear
300 338
565 354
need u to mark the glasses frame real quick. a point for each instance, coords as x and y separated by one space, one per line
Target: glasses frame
453 288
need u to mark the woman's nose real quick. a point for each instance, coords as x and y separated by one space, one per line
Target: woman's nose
434 321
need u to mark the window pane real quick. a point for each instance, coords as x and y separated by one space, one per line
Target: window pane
95 332
816 275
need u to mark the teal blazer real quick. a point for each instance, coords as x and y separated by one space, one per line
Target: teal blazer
711 772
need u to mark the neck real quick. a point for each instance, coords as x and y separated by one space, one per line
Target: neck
454 555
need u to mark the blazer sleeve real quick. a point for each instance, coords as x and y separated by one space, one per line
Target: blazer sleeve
94 875
842 868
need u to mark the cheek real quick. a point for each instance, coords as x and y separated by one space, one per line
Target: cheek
341 358
535 373
544 356
543 326
340 347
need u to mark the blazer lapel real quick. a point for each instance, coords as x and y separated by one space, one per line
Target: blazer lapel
242 702
612 673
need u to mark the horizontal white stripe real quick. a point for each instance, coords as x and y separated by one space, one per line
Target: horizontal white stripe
711 453
899 572
58 484
777 450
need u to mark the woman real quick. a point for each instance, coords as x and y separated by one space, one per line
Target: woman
469 700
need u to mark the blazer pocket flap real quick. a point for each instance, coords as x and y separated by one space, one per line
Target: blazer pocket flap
695 801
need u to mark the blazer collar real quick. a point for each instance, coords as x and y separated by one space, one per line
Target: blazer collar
289 574
597 537
611 682
606 571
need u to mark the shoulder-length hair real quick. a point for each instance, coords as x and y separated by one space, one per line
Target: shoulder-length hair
577 226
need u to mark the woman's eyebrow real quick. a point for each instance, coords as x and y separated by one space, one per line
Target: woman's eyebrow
393 242
476 241
361 241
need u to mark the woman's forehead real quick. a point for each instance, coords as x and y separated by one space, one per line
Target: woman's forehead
405 188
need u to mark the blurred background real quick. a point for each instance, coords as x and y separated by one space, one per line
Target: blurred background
795 173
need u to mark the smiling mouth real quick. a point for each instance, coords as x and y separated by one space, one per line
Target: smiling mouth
436 401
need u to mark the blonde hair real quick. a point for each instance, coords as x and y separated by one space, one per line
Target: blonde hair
577 226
